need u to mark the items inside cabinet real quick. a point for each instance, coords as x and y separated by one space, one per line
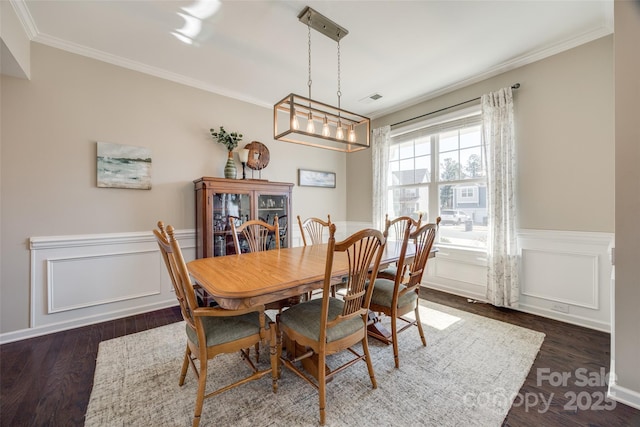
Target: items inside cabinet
219 199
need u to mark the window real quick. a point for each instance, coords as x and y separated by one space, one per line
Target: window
468 194
437 168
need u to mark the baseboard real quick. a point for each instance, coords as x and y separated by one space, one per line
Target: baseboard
80 322
454 291
566 318
574 320
623 394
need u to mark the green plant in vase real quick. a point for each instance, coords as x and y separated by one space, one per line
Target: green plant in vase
230 141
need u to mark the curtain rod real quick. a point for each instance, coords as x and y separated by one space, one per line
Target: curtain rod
514 86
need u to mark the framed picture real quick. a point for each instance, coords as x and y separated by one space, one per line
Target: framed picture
123 166
308 178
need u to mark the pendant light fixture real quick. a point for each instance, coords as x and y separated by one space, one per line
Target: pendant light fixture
341 130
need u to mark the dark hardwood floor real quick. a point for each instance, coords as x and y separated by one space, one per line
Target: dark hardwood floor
46 381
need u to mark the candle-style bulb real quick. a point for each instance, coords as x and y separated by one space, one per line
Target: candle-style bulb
325 127
339 131
311 127
352 134
295 125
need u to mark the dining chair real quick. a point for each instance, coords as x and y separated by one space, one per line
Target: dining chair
398 297
394 229
314 228
259 236
212 331
330 325
283 228
256 233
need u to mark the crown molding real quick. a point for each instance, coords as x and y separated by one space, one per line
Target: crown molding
512 64
142 68
25 18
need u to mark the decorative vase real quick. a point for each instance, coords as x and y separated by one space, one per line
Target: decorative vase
230 171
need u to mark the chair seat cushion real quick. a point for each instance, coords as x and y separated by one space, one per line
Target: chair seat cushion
304 318
220 330
390 271
383 294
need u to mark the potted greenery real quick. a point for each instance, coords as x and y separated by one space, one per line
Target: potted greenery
230 141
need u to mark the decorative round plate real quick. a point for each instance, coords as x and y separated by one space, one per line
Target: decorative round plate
258 155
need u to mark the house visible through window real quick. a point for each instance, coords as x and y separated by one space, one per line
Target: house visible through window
437 168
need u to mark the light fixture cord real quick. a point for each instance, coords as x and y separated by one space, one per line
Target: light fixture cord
309 50
339 93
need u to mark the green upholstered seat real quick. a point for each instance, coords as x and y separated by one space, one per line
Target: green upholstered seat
390 271
220 330
383 294
305 319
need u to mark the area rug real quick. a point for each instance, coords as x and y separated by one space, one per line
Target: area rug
469 374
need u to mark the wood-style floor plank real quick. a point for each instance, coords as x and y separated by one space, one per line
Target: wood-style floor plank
566 348
47 381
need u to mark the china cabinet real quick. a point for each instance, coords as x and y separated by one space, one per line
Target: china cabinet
218 199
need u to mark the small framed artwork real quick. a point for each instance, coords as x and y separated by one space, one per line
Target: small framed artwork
123 166
309 178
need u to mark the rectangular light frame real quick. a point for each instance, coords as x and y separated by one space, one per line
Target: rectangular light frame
283 116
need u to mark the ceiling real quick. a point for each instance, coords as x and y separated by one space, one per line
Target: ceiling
256 51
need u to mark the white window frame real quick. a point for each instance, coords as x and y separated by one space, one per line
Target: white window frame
433 127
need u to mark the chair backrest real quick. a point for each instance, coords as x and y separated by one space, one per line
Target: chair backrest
283 224
394 229
177 268
363 250
314 228
256 233
423 239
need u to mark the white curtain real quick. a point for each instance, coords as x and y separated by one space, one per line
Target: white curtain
380 158
503 287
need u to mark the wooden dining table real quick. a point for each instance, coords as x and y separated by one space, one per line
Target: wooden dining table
250 279
259 278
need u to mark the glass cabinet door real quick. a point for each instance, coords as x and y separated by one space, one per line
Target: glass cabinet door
226 206
272 205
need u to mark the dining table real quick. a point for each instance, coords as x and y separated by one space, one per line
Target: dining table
259 278
256 278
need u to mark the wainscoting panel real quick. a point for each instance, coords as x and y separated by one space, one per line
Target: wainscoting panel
80 280
461 272
565 275
570 278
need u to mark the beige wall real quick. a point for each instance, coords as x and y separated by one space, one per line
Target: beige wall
565 140
627 287
50 125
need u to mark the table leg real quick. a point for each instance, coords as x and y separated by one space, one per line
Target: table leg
310 364
376 330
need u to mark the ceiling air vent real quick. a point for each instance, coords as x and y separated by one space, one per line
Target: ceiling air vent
371 98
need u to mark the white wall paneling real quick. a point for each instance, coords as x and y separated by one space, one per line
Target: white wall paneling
80 280
565 275
86 279
462 272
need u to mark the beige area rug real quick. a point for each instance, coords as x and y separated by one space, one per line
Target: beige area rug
469 374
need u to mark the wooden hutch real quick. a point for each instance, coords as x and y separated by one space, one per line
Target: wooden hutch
217 199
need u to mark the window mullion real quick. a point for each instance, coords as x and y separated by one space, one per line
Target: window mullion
435 174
